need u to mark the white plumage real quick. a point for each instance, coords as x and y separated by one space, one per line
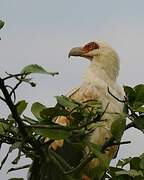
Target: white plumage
101 74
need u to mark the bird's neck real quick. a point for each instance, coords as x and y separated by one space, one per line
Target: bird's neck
102 71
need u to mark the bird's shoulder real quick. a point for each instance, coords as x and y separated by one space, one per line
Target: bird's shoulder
86 91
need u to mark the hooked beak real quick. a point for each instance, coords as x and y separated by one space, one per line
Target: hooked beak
76 51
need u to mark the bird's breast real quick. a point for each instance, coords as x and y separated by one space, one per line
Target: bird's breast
99 92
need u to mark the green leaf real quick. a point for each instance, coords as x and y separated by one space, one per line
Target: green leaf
118 127
140 109
139 89
139 97
66 102
1 24
135 96
21 106
123 162
133 173
94 105
113 170
95 149
36 109
134 163
130 93
142 163
139 122
34 68
50 113
78 116
137 105
53 133
3 127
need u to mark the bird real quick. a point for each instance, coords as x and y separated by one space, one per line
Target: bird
100 76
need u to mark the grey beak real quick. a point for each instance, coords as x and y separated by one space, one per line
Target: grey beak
76 51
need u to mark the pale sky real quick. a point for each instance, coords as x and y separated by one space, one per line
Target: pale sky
42 32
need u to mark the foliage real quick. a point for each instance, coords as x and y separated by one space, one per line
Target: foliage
34 137
131 168
28 134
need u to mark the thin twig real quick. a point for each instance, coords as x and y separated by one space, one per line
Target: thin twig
16 116
104 110
16 86
57 127
122 101
2 99
4 160
15 75
111 142
120 143
108 143
18 168
7 86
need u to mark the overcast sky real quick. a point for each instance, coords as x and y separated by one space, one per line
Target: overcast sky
42 32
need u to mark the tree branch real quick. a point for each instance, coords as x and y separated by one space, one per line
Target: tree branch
16 116
18 168
2 99
120 143
16 86
15 75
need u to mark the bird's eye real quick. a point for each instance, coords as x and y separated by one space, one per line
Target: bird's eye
90 46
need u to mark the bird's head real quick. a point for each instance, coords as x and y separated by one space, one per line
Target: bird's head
101 56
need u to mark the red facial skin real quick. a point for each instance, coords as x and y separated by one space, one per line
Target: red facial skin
90 46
